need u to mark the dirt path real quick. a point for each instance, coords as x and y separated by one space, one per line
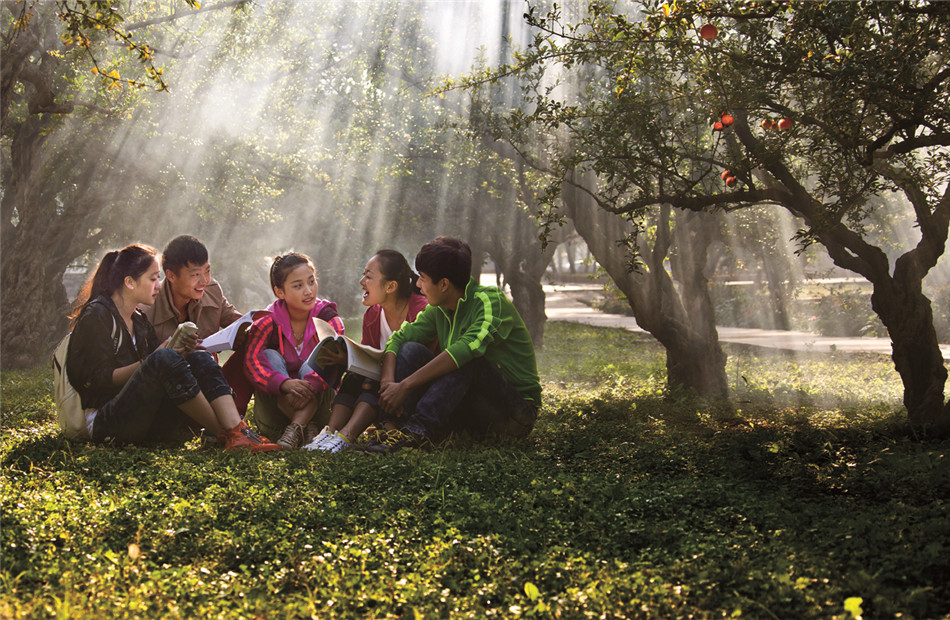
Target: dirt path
563 303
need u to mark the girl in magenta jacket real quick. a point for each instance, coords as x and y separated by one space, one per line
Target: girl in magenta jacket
390 293
288 393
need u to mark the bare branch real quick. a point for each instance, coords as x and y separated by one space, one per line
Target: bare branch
180 13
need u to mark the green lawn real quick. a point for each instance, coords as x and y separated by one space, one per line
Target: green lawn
803 496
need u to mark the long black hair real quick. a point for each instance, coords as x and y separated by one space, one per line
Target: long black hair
394 267
131 261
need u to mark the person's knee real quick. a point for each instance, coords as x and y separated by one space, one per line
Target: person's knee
201 358
163 359
276 360
202 363
411 357
413 349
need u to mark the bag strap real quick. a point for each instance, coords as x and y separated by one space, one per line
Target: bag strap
116 339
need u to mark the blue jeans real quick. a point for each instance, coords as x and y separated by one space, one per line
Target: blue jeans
475 398
146 408
356 389
278 363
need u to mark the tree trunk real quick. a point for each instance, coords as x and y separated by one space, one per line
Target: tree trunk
778 281
527 295
908 316
897 299
683 322
34 303
523 263
45 226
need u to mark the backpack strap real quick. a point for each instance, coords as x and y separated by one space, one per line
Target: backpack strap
116 334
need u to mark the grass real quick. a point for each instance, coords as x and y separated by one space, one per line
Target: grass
805 498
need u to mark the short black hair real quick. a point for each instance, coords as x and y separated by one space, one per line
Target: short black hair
181 251
446 257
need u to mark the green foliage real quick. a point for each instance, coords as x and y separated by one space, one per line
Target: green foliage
848 314
86 21
27 398
828 110
623 503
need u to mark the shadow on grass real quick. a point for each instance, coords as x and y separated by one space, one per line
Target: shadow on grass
612 496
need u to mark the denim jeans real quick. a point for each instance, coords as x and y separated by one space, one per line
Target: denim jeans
475 398
356 389
146 408
268 417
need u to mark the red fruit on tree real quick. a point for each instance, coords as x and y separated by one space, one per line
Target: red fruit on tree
708 32
785 123
731 181
766 124
727 120
717 126
725 174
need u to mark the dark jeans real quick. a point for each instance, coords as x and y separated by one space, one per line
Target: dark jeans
355 389
146 409
475 398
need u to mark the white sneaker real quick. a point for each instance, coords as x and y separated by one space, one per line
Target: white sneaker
318 441
334 443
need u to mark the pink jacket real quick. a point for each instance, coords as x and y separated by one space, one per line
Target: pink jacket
274 332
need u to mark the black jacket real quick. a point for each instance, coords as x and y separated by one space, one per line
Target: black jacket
91 357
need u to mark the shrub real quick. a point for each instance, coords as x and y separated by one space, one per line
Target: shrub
847 314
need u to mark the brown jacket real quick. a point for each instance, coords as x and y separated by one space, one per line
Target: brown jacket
210 313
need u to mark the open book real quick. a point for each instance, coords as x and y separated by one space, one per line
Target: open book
360 358
224 339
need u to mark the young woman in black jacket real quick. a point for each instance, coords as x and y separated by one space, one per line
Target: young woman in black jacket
135 389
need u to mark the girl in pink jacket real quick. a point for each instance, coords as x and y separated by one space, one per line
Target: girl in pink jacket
290 397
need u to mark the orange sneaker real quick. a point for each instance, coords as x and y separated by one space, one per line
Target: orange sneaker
242 437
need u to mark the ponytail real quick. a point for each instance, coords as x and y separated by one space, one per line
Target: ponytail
101 280
285 263
131 261
395 268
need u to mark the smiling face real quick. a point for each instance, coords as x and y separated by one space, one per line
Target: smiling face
189 282
376 288
299 289
145 289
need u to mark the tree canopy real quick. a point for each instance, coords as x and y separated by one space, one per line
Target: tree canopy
819 108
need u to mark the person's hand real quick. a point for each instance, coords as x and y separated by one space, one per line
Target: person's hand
241 336
331 357
391 397
298 392
187 344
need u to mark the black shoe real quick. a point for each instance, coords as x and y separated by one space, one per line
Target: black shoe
392 441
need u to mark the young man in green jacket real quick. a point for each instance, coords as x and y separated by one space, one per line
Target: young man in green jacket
484 379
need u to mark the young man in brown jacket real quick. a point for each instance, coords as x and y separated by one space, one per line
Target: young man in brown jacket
189 293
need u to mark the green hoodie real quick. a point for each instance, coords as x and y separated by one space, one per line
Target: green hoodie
485 323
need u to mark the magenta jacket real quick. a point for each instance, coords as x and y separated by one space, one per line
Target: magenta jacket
273 332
